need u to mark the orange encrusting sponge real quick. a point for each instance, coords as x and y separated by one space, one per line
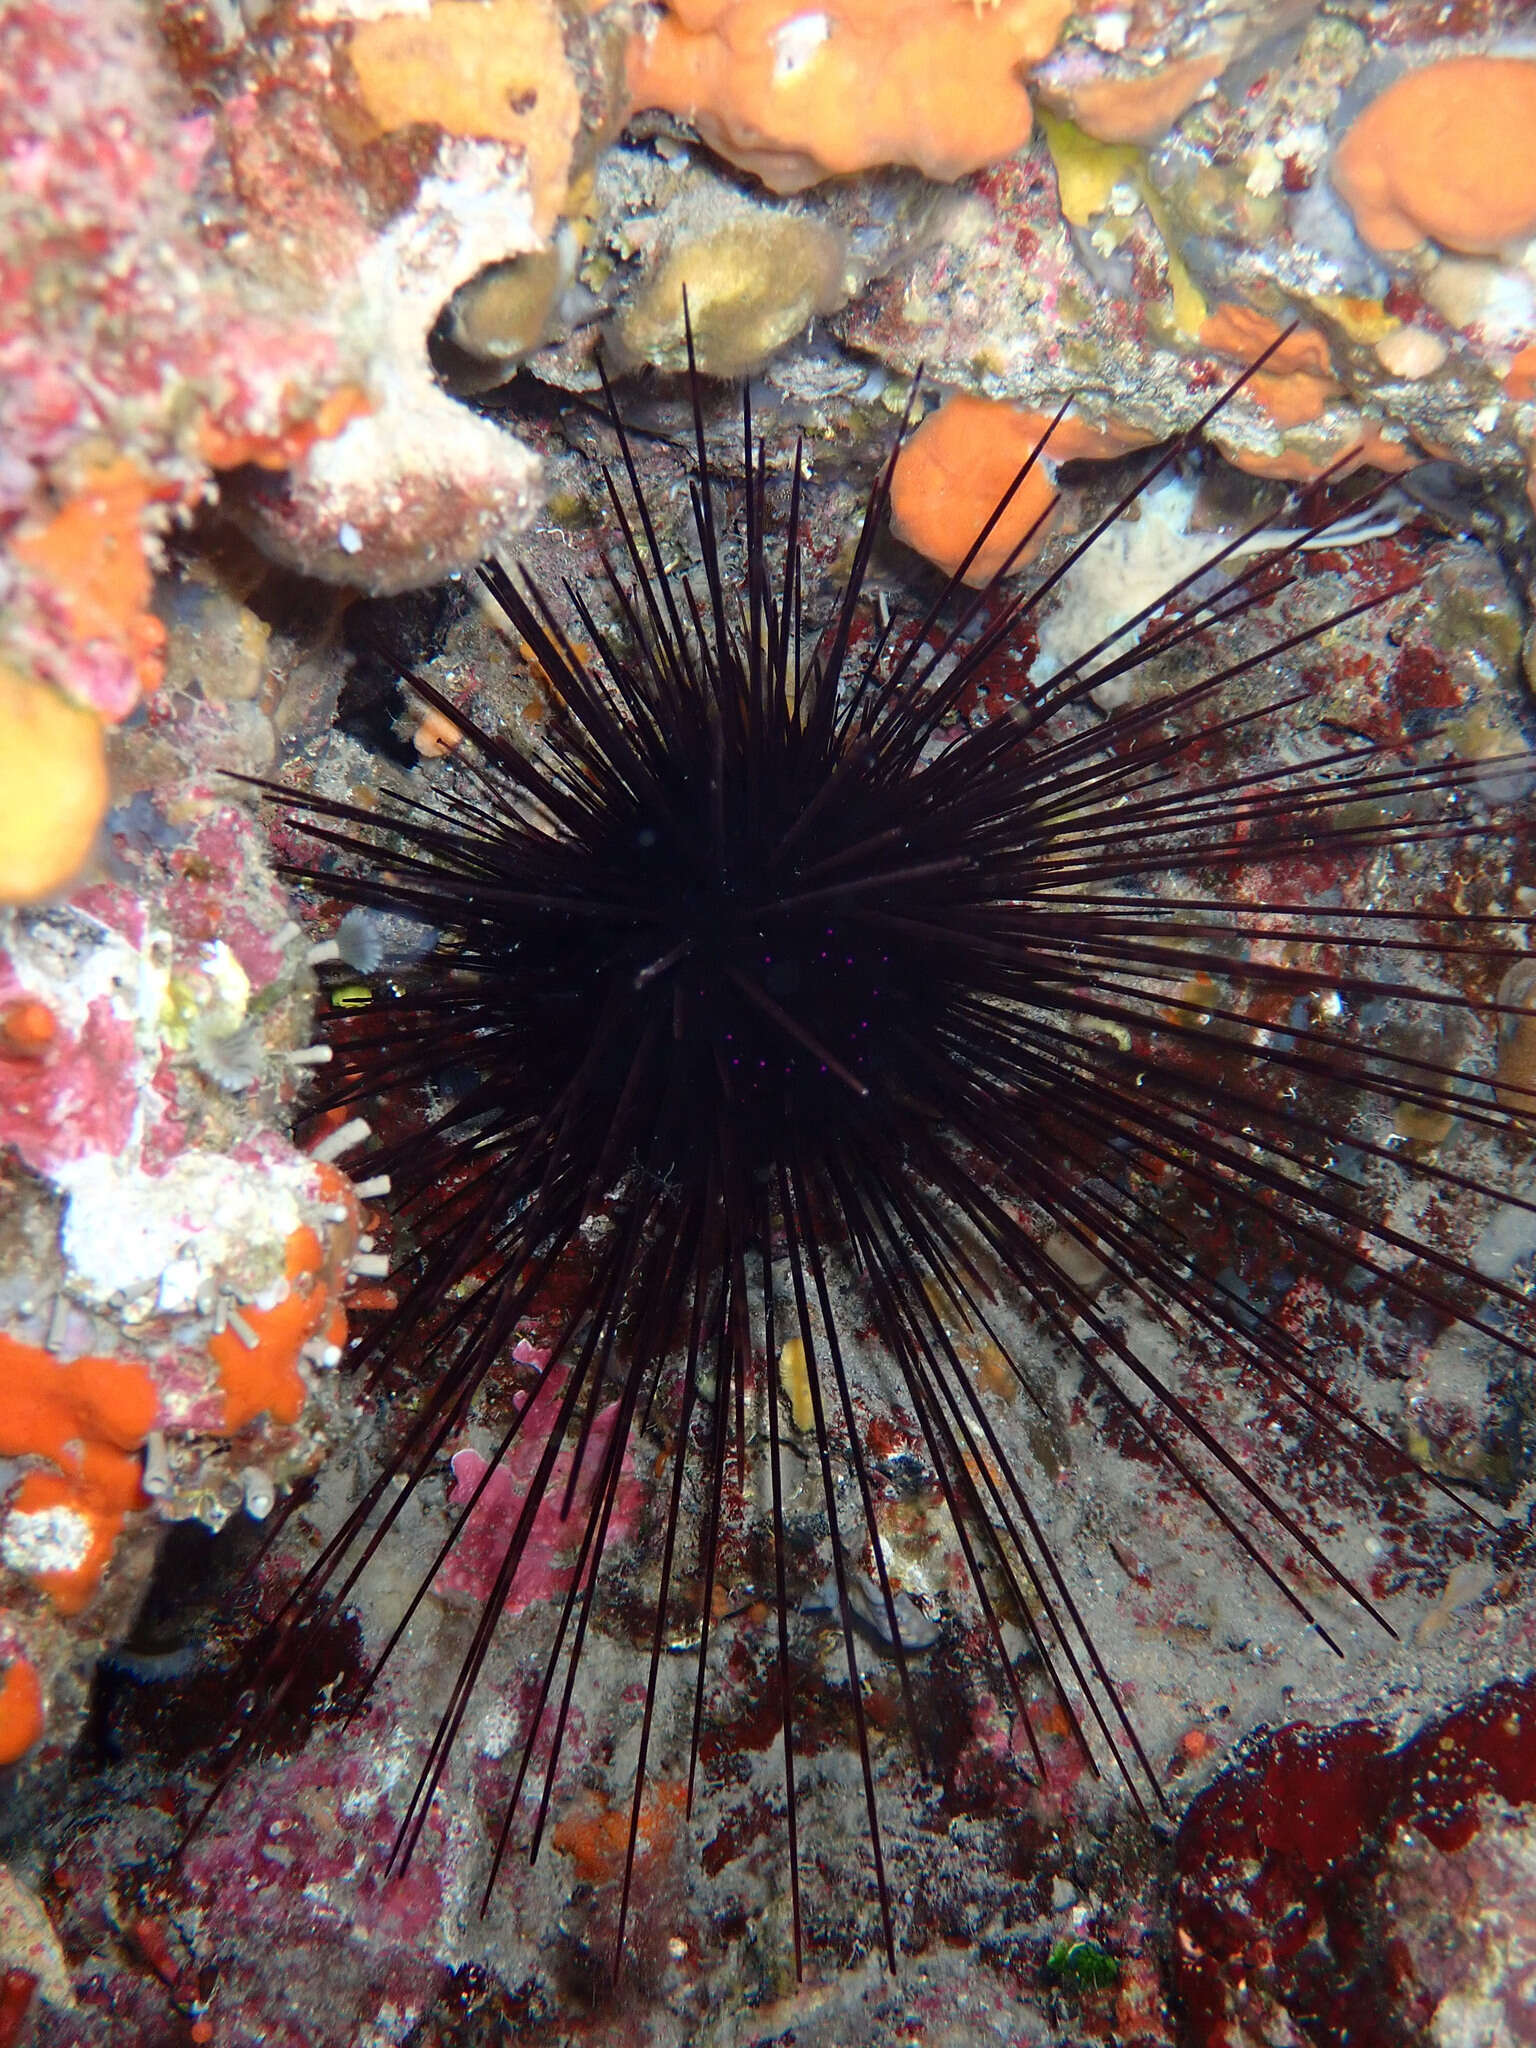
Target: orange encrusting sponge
223 448
49 1407
92 551
27 1029
1520 377
54 787
493 68
1296 383
265 1375
1137 110
1362 447
1293 389
597 1839
90 1417
21 1709
795 94
952 474
1446 154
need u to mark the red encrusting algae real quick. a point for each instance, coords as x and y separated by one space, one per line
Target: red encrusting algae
1275 1861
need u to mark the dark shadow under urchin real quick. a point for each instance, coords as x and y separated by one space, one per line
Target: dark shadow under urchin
760 974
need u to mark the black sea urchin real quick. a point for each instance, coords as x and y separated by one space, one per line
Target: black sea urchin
761 976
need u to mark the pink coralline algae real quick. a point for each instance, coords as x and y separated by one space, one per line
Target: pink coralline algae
548 1565
112 970
322 1821
78 1096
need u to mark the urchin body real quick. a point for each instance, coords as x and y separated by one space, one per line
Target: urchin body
764 975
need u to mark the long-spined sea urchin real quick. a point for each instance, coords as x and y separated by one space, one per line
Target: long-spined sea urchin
759 972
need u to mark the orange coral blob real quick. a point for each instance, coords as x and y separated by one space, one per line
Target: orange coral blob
1294 399
1447 153
92 551
1078 440
1367 448
89 1417
436 736
1243 334
98 1493
21 1709
1520 377
27 1029
795 94
1295 385
223 449
53 786
493 68
265 1376
49 1406
952 474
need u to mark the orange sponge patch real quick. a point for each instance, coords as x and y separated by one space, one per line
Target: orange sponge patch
1243 334
1448 154
265 1376
493 68
952 474
21 1709
950 477
89 1418
796 94
27 1029
1078 440
598 1842
1296 383
92 552
49 1408
1520 377
1366 448
53 786
1139 109
1294 399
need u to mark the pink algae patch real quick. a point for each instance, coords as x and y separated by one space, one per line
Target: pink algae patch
547 1567
78 1097
313 1840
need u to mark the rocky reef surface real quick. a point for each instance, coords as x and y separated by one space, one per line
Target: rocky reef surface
302 314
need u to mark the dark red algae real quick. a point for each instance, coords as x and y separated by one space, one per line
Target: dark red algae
16 1990
1291 1865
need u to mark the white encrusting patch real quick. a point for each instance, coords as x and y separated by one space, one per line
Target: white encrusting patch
1132 565
796 43
56 1539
